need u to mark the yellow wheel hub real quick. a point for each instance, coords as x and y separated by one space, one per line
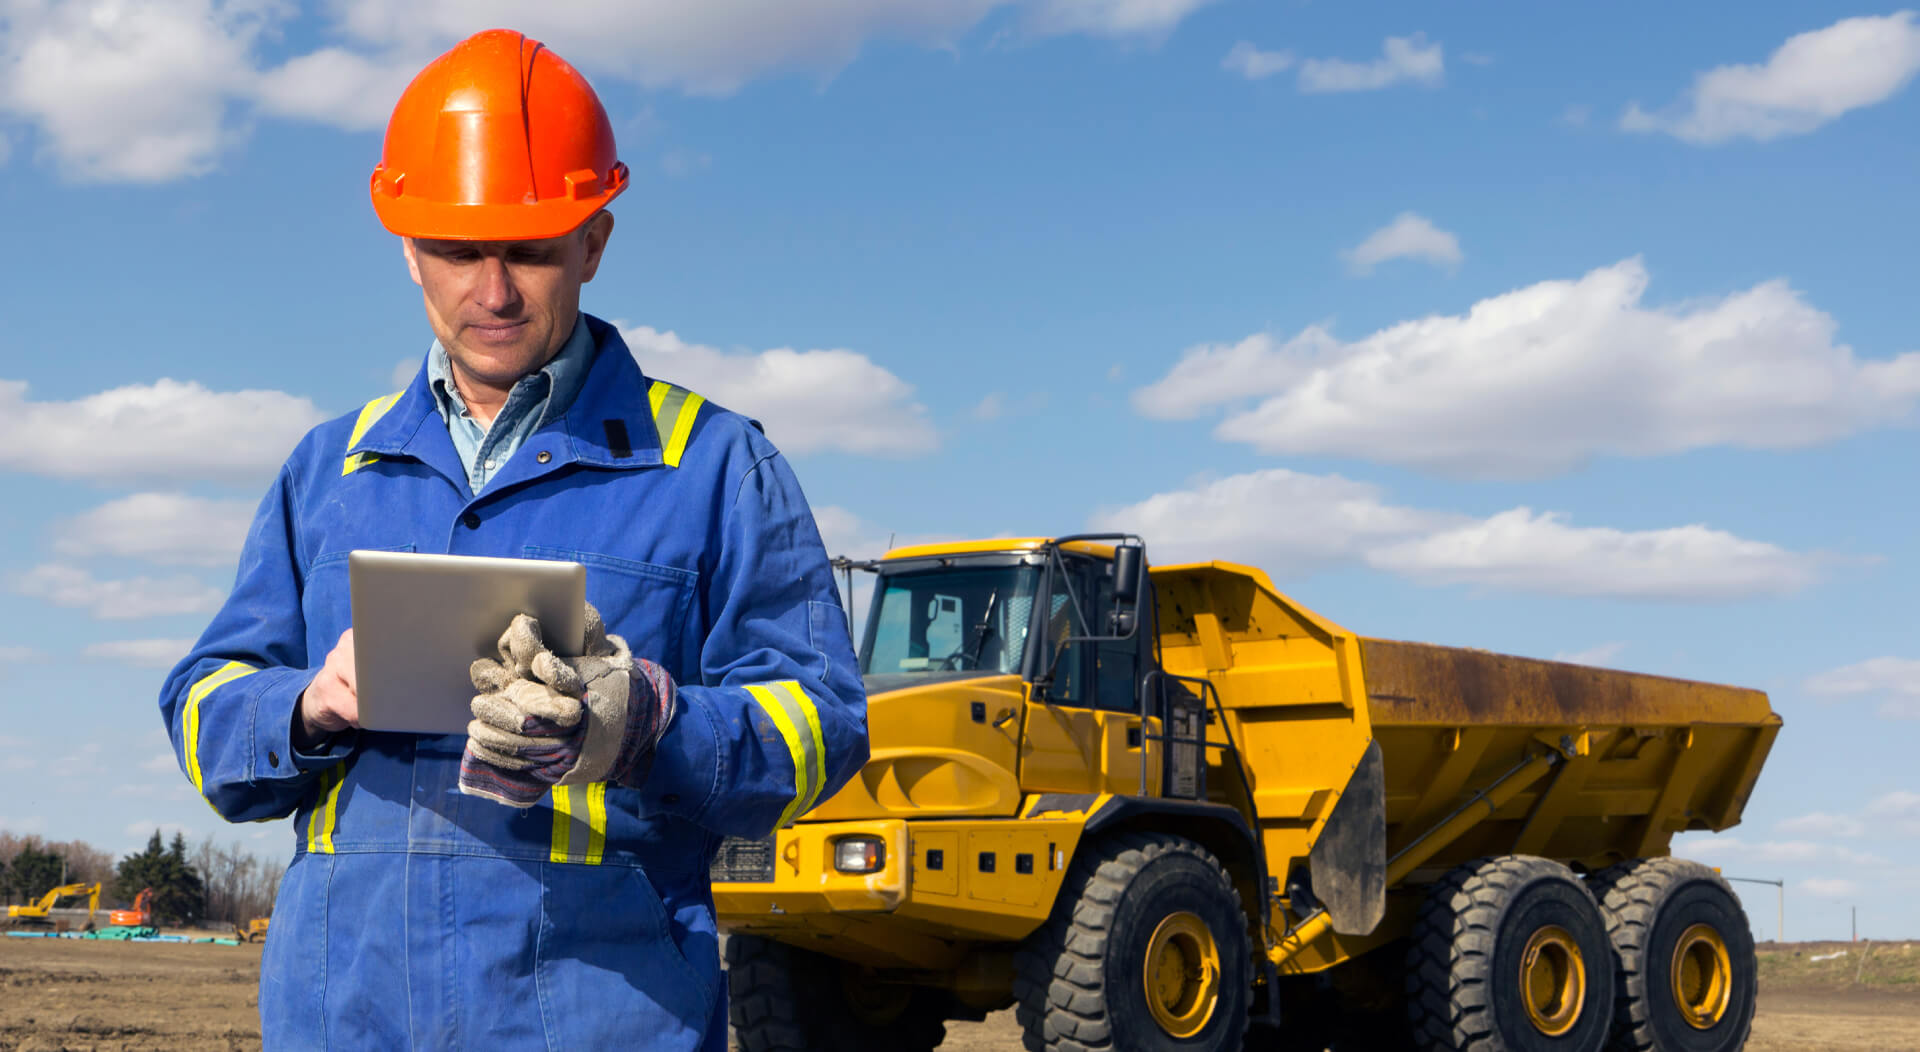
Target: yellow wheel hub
1702 976
1553 980
1182 975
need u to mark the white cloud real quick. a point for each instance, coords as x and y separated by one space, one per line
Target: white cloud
337 87
143 653
118 600
1829 887
842 532
129 91
1821 824
1255 64
1535 381
1896 681
809 400
13 654
1813 78
1898 811
992 407
144 828
1409 236
165 528
163 430
1287 522
714 48
1212 374
1402 59
1144 19
680 163
1576 115
1281 521
845 533
152 90
1600 654
1780 851
403 372
1520 550
80 762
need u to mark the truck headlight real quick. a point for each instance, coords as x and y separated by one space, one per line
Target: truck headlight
859 854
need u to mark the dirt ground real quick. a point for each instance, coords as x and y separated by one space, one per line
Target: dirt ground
59 995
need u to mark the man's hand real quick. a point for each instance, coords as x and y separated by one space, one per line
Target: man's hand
544 720
331 703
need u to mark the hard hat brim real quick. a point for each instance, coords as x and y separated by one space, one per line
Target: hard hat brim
441 221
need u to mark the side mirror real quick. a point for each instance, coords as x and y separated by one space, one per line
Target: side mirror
1127 560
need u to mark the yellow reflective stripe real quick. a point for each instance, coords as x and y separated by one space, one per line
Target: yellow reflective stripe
596 822
682 429
799 723
326 810
569 830
805 705
369 413
674 410
777 712
209 683
562 823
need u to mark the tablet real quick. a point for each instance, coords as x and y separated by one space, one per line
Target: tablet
420 620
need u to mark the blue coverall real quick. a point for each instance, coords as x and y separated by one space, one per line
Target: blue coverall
415 916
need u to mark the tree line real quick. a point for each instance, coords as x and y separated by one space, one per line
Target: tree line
205 883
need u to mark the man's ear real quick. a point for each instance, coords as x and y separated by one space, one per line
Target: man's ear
598 230
413 261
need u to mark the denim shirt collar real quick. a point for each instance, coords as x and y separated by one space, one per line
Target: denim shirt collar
563 376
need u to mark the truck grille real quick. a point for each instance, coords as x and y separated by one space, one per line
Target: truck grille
743 861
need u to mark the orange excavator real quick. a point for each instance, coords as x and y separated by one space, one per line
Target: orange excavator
36 913
140 916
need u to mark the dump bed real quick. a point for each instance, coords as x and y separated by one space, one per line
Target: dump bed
1634 758
1652 755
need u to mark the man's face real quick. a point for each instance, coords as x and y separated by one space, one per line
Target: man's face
503 308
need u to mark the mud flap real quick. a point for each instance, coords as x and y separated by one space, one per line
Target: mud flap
1348 863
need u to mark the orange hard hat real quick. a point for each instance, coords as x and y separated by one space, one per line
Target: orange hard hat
499 139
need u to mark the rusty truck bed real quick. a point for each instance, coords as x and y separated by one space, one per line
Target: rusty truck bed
1656 755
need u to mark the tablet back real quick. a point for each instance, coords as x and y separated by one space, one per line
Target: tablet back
420 620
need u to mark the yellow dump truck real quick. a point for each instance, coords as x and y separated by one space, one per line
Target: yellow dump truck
1171 808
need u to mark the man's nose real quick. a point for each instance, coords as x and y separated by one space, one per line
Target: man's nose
495 290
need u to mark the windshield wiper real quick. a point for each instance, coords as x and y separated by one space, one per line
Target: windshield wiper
983 629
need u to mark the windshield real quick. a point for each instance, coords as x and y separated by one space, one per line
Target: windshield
952 619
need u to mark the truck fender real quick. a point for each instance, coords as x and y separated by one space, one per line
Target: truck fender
1216 827
1348 863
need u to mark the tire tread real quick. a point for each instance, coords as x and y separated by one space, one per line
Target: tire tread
1060 971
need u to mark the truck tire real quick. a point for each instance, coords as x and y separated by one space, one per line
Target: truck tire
1510 954
1146 951
1687 975
783 999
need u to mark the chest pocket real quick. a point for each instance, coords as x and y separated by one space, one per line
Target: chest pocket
647 603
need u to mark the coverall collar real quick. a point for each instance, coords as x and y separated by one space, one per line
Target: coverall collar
609 425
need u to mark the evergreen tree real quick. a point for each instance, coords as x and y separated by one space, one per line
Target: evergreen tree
179 897
144 870
34 873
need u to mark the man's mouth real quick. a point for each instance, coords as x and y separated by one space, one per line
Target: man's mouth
498 332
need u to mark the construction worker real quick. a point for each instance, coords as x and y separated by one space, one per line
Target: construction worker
540 882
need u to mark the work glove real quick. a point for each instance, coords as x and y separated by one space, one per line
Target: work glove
543 720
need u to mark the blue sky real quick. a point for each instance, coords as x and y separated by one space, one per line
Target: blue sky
1560 333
